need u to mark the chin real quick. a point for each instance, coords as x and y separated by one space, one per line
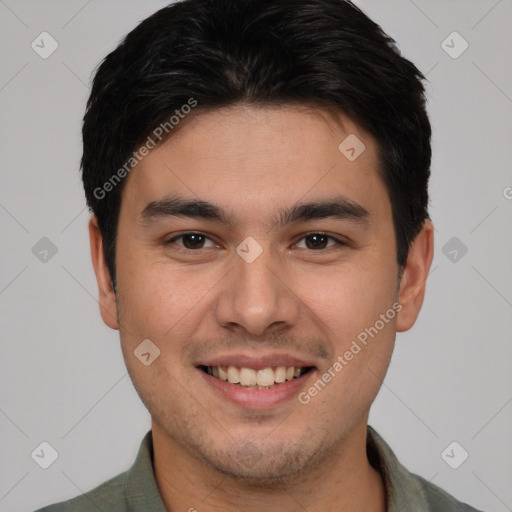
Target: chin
258 465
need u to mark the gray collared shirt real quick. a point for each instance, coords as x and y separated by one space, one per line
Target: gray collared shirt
136 490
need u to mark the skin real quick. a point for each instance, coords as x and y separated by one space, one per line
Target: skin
312 303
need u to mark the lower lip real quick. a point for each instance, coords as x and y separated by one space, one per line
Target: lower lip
258 398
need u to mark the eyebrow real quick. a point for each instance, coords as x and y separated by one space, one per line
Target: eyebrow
337 207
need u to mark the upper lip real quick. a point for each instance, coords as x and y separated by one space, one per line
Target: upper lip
256 362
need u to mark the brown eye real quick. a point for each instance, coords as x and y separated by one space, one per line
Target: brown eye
319 241
191 241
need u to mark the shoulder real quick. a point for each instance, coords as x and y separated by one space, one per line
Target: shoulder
109 495
406 489
134 490
439 500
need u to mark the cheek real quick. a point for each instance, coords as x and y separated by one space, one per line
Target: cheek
349 306
159 297
348 300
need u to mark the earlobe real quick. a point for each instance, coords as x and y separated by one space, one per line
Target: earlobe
107 295
414 277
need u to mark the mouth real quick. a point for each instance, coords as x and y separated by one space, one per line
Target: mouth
250 378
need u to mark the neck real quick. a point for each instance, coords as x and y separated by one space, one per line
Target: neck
346 481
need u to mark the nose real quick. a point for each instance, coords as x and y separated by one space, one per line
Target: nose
257 297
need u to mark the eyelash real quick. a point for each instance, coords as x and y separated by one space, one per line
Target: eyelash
181 235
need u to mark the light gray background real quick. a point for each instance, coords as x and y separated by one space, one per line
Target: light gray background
63 379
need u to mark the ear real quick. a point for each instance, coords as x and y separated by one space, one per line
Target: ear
107 296
414 277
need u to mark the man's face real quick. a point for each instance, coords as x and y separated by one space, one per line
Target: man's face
264 290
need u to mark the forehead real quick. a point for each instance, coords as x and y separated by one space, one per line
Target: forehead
252 159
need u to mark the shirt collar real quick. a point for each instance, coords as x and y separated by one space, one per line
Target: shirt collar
402 488
141 489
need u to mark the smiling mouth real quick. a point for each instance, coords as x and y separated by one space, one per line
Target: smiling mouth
265 378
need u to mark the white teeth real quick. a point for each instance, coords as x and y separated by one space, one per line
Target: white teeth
264 378
233 375
280 374
247 377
